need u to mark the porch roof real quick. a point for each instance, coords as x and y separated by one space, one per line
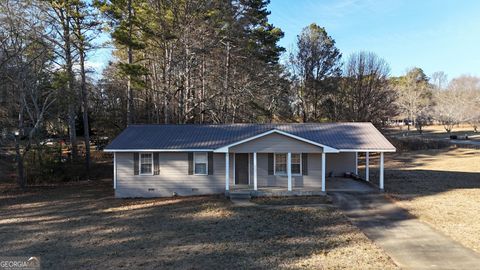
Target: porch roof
341 137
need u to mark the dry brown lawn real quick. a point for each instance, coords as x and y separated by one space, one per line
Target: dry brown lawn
441 187
83 226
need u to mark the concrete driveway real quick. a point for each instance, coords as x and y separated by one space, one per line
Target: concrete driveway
411 243
334 184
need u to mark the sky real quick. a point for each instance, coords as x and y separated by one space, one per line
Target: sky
435 35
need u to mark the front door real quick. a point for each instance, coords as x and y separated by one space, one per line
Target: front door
241 169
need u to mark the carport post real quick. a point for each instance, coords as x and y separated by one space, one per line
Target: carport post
255 171
227 171
114 170
289 170
367 163
381 170
323 171
356 163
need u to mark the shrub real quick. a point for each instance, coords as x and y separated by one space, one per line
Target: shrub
412 144
46 165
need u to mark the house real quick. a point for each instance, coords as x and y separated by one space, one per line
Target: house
168 160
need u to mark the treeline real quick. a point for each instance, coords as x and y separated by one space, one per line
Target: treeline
192 61
44 87
230 72
422 100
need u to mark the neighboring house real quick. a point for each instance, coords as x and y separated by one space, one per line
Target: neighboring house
167 160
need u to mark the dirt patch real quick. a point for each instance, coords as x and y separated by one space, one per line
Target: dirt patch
85 227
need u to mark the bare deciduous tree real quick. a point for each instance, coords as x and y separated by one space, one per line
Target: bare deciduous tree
458 103
365 93
26 59
414 96
439 80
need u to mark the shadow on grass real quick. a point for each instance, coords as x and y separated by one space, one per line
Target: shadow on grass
416 183
85 227
426 172
410 175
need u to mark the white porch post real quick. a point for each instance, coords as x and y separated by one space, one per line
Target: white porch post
255 171
356 163
289 170
114 170
323 171
227 171
381 170
367 163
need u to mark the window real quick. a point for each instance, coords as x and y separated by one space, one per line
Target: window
296 164
281 164
200 161
146 164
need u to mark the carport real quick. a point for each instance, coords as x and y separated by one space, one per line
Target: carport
347 162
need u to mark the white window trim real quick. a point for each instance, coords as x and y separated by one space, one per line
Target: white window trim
140 164
286 173
195 164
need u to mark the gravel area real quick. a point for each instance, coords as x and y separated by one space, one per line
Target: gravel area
84 227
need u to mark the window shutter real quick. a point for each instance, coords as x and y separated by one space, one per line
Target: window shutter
210 163
156 163
304 163
190 163
135 164
270 163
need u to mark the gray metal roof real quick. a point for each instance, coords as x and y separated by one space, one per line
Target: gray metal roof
346 136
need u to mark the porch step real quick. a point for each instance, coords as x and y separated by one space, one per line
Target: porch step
237 195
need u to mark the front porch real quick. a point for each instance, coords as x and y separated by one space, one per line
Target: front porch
314 178
277 163
275 191
333 184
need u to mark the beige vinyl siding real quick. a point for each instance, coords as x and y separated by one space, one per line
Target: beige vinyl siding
276 143
173 177
340 163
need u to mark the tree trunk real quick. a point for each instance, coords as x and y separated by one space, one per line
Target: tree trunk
72 132
130 107
166 83
187 91
20 170
202 93
70 85
227 68
84 94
